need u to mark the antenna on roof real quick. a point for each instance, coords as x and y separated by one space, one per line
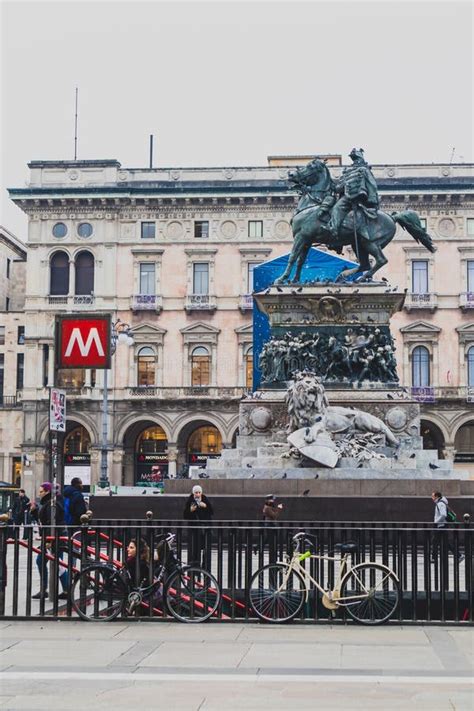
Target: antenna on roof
151 151
452 155
75 127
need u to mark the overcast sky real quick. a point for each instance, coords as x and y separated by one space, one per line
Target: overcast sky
229 83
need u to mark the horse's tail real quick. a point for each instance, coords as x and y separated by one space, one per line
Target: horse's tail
409 221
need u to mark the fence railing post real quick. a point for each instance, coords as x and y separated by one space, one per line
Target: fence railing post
3 560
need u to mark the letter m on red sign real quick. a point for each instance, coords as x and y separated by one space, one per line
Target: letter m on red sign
83 341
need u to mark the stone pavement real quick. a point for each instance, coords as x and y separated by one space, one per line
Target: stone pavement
72 665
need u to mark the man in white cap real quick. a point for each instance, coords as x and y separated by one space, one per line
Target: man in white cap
198 510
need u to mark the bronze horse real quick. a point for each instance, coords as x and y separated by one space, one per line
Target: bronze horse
309 224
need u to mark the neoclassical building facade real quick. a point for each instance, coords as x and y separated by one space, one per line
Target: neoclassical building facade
171 253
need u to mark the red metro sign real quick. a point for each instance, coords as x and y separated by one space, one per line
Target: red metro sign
83 341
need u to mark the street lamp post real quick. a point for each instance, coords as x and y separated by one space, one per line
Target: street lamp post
121 332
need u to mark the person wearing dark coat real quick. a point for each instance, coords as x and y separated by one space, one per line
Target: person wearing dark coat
42 514
77 505
21 511
198 511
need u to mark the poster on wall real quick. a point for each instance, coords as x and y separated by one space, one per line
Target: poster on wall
83 472
57 410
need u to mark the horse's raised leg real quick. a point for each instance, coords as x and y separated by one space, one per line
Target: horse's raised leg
363 265
374 249
295 251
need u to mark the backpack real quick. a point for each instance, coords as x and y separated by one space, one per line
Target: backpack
67 511
451 516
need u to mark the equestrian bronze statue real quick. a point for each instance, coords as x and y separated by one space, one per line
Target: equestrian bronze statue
345 213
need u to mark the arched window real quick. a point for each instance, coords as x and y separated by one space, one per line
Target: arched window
420 367
146 367
59 274
470 367
84 273
205 440
200 366
464 443
248 363
77 441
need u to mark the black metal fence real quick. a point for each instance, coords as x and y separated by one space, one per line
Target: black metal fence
434 566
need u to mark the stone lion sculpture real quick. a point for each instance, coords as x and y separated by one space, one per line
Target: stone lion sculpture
312 421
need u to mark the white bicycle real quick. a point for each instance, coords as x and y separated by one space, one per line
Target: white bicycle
369 592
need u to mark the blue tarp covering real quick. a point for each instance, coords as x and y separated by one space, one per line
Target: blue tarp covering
319 265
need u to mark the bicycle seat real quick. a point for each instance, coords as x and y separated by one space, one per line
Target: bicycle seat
348 547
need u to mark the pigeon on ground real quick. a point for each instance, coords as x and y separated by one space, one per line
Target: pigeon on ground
300 288
252 476
316 476
249 466
390 396
279 289
284 475
267 291
432 465
305 492
412 456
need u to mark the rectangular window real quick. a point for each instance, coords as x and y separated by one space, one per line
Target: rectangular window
2 370
255 228
2 335
470 276
21 336
20 367
201 229
200 278
147 278
250 267
9 261
7 304
470 226
148 230
419 276
45 365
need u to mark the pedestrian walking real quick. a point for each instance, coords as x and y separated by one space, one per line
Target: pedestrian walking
74 503
42 514
271 512
441 519
199 512
21 512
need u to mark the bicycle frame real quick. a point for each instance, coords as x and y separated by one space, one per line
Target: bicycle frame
294 564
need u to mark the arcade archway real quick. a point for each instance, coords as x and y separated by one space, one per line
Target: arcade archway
145 454
199 441
464 443
432 437
77 454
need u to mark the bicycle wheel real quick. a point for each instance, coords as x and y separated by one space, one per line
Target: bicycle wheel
192 594
276 595
98 593
375 592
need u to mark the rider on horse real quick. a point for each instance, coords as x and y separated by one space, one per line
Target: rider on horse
357 188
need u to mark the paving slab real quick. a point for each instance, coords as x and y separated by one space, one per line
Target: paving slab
44 653
303 656
175 632
183 654
401 657
340 634
62 629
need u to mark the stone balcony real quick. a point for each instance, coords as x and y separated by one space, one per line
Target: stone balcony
180 393
466 300
66 303
146 302
438 393
246 302
422 302
200 302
